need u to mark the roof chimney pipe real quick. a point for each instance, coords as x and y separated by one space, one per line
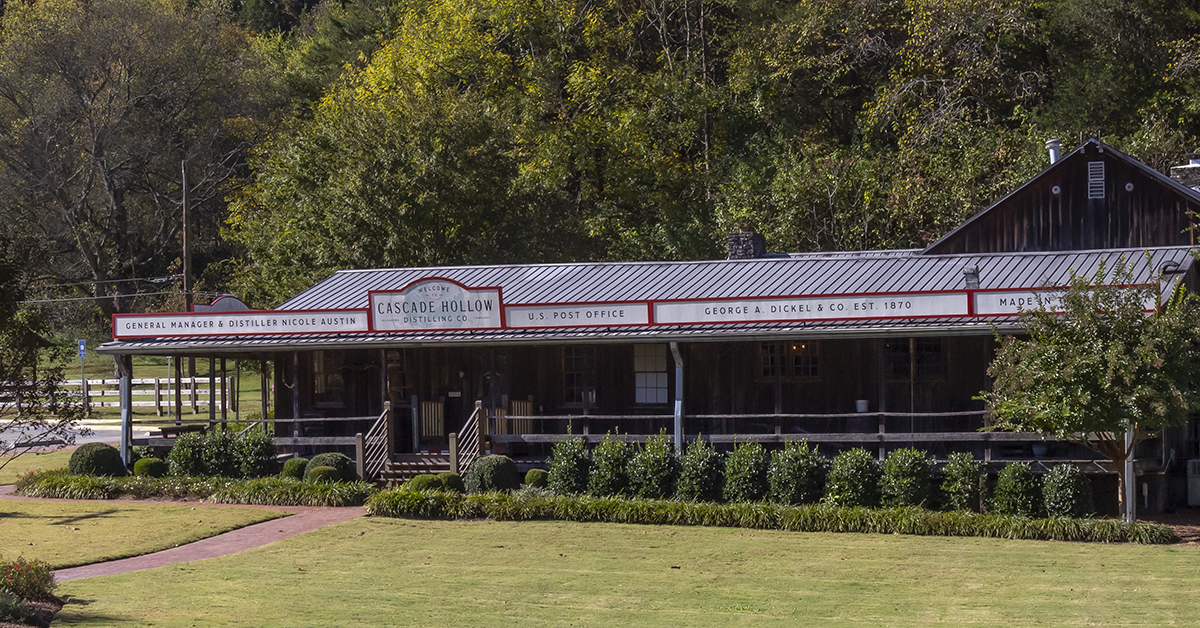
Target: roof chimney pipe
1055 148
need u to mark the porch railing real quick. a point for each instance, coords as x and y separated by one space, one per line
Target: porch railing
466 445
373 451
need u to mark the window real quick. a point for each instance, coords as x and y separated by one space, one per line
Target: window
795 359
327 380
579 375
923 354
770 359
650 373
806 359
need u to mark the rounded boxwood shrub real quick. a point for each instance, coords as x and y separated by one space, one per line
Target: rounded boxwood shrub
907 478
797 474
853 479
536 478
569 467
150 467
492 473
1066 492
963 483
96 459
610 460
322 475
339 461
746 473
294 468
452 482
424 482
1018 491
654 469
701 473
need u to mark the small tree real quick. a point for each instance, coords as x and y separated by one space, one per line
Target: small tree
1101 367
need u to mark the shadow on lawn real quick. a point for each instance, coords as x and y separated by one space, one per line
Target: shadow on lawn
74 613
61 521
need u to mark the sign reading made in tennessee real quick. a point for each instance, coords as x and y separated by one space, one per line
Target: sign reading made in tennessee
432 304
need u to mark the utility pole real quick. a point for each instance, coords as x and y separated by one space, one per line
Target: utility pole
187 258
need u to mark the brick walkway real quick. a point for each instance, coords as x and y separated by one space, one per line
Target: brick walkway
303 519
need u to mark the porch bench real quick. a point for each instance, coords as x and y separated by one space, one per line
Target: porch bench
171 431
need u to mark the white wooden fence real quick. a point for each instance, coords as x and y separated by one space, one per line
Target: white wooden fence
159 392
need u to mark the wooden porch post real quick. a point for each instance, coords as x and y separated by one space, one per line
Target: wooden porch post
678 398
125 368
178 390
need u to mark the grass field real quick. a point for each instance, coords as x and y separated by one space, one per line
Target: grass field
66 534
33 462
383 572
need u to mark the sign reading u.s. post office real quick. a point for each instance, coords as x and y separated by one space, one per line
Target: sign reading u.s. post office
432 304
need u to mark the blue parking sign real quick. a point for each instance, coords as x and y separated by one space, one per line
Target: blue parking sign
82 348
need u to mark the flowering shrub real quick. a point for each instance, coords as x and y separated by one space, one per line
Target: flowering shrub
27 579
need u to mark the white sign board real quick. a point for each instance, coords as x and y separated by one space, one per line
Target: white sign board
1013 302
239 323
810 308
586 315
433 304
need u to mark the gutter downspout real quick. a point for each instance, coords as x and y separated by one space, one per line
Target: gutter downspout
678 398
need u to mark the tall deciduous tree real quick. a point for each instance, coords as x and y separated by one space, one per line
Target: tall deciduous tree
100 103
1096 364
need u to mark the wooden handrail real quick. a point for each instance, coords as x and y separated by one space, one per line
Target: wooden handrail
375 454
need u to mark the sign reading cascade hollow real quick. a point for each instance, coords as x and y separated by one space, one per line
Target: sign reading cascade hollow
432 304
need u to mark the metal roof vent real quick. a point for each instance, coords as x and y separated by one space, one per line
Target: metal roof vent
1189 173
971 276
1055 148
1095 179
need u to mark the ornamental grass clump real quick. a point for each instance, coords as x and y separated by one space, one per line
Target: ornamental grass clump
1066 492
746 473
797 474
853 480
654 469
701 473
569 467
1018 491
609 470
907 478
963 483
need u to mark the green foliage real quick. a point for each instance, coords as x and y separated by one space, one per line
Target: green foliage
339 461
255 452
294 468
425 482
537 478
222 453
186 457
452 482
907 478
288 492
492 473
610 460
325 475
151 467
853 479
14 609
746 473
1066 492
797 474
701 473
96 459
654 469
1018 491
569 467
963 483
27 579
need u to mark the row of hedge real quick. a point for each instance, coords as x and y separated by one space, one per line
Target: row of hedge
269 491
799 474
533 504
218 453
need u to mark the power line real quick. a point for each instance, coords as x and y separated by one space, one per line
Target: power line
106 281
121 296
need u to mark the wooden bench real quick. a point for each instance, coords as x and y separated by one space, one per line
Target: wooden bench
171 431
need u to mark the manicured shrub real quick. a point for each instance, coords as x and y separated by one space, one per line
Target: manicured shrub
853 479
425 482
186 457
654 469
14 609
324 475
1066 492
610 460
28 579
963 483
492 473
150 467
255 453
569 467
339 461
96 459
701 473
907 478
537 478
797 474
220 455
746 473
294 468
452 482
1018 491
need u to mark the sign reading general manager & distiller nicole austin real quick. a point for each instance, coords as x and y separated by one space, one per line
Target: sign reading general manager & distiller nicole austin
435 304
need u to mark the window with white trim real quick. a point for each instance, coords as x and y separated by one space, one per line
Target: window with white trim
579 376
650 373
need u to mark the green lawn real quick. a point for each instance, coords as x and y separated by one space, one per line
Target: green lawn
66 534
33 462
386 572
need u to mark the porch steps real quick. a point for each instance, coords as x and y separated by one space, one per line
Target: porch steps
404 467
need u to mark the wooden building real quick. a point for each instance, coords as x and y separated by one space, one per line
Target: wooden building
880 349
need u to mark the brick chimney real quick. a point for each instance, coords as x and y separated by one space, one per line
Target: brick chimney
746 244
